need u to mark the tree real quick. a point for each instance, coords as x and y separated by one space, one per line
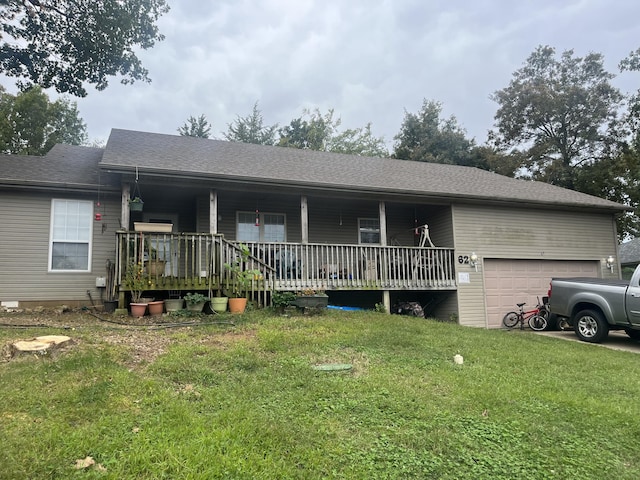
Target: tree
196 127
561 114
616 178
425 137
310 131
30 124
251 129
316 131
63 43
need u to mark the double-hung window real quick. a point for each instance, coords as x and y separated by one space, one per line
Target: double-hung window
261 227
70 235
369 231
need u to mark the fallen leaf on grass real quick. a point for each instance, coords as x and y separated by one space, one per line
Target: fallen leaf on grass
89 462
85 463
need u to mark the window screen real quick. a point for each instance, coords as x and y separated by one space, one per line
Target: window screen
71 230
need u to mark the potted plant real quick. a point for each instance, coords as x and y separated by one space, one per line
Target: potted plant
156 307
135 204
173 304
241 280
219 303
309 298
282 300
136 282
195 301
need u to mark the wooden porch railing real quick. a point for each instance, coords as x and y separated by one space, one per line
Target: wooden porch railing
333 267
195 261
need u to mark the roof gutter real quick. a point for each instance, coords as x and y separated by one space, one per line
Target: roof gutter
298 184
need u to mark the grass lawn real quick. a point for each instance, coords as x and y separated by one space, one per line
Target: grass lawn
243 402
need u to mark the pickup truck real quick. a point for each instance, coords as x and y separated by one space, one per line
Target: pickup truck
594 306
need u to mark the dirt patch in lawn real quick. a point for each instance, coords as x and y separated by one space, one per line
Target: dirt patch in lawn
142 339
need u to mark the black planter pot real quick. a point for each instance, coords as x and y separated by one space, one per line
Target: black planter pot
311 301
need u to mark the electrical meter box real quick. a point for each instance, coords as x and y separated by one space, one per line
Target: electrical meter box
101 282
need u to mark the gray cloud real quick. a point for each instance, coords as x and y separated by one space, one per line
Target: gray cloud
368 59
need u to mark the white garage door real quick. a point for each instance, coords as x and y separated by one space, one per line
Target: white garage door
508 282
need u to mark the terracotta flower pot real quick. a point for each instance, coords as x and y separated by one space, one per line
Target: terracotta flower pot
237 305
138 309
156 308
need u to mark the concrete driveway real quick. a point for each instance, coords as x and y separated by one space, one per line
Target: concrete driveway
617 340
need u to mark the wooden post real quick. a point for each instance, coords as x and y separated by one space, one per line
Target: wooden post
386 300
382 212
125 214
304 219
213 211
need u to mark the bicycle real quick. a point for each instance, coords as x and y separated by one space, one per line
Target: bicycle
536 318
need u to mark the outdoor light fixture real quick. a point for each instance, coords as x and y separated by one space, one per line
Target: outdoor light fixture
473 260
611 262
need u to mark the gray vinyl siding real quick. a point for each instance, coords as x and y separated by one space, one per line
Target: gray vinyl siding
519 233
230 203
24 253
331 220
336 220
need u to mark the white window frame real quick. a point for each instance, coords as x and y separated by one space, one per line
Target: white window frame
360 230
261 216
88 221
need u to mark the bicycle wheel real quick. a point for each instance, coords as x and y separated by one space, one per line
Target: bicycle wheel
537 323
510 320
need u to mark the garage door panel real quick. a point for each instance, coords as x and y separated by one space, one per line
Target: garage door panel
508 282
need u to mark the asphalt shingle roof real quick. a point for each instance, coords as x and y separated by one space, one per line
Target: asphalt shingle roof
205 158
65 166
630 251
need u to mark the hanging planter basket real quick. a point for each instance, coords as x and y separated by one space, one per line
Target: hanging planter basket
136 204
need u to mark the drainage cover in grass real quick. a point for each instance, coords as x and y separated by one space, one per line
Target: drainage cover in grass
332 367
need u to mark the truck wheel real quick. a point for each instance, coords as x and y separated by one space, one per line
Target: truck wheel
590 326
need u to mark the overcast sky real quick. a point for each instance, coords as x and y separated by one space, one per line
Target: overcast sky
369 60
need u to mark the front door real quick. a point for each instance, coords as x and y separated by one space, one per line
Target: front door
165 249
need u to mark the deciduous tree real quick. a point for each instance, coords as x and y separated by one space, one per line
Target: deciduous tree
30 124
561 114
64 43
426 137
316 131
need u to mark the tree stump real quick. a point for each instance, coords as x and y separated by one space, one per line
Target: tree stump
41 345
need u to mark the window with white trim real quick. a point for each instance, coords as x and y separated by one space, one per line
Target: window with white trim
261 227
70 235
369 231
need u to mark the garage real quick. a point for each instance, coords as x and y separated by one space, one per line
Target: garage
508 282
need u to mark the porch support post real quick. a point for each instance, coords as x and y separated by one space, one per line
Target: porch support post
213 211
304 219
386 300
124 209
382 212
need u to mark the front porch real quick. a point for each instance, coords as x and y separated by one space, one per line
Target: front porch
177 263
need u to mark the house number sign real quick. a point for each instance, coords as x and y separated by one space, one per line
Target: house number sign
463 259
